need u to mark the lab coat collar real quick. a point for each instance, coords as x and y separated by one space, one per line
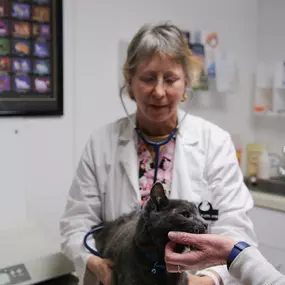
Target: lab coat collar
186 136
187 133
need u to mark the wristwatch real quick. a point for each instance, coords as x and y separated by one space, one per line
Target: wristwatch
236 250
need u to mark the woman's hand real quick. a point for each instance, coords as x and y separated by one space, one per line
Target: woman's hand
101 268
210 250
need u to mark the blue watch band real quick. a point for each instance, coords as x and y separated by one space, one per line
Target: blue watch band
236 250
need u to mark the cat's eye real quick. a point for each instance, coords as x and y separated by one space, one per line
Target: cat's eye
185 214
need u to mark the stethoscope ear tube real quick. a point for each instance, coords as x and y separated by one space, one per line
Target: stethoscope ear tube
124 106
91 232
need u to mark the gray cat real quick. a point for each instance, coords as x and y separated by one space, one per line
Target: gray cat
136 242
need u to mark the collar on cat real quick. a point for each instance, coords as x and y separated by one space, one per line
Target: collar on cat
156 265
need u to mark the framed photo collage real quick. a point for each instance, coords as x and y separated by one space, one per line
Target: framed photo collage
31 58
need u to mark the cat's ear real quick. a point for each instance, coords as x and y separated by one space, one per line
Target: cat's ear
157 195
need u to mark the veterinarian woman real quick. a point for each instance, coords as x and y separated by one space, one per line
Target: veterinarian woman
244 262
117 167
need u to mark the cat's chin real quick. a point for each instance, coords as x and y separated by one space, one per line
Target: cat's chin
189 248
179 248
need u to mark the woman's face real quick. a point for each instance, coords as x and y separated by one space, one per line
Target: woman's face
157 87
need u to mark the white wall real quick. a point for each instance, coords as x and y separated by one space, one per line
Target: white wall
37 156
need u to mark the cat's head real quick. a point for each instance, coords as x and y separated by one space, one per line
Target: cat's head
162 215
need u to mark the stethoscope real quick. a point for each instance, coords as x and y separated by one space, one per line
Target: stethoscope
89 233
155 145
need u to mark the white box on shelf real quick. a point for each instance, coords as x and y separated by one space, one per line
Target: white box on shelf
279 100
279 75
263 101
269 92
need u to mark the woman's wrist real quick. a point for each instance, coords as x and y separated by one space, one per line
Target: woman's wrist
209 277
228 246
207 280
92 262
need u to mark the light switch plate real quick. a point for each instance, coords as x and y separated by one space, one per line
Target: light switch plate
13 275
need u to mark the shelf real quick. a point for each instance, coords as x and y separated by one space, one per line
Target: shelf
269 114
269 89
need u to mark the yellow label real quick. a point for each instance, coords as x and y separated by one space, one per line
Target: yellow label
253 152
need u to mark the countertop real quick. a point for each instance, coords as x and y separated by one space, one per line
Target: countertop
268 200
269 193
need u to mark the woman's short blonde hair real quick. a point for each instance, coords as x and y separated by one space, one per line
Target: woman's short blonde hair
165 39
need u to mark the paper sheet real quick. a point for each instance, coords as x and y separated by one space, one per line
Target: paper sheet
264 76
225 71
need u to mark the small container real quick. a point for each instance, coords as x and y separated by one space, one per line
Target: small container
264 166
253 152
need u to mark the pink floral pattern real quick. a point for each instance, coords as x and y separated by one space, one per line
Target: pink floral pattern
146 159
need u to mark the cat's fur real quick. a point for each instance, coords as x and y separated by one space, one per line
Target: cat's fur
134 242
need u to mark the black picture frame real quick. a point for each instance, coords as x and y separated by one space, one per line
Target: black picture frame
31 58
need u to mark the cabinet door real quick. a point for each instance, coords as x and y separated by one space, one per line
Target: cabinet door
274 255
269 227
12 187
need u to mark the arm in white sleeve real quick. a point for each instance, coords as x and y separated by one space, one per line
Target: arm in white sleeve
250 267
230 196
82 211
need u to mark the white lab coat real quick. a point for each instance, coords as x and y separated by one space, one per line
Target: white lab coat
106 184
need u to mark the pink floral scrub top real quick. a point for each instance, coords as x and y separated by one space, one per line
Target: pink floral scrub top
146 160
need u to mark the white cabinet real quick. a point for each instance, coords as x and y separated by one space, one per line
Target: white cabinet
270 229
274 255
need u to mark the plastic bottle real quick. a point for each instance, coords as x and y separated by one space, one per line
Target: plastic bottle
264 165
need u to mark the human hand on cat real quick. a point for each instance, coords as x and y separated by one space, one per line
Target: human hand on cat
210 250
102 268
